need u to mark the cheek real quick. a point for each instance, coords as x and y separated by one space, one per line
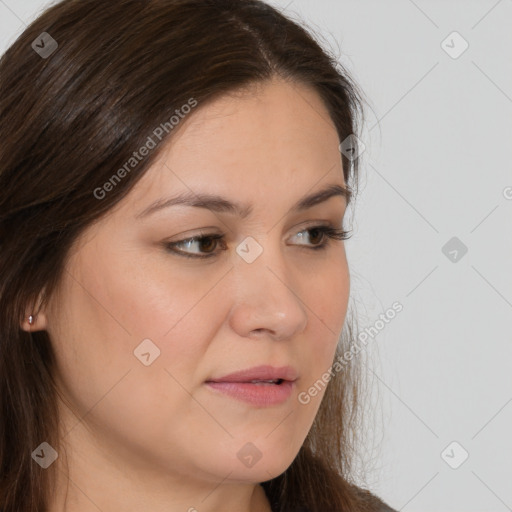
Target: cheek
155 298
147 407
326 295
327 301
167 313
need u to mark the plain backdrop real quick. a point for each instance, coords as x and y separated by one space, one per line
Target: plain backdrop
432 230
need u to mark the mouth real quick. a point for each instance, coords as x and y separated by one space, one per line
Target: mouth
260 374
260 386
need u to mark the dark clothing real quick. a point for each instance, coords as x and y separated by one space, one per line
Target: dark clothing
384 508
380 507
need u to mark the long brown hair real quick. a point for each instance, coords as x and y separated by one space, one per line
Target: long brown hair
82 88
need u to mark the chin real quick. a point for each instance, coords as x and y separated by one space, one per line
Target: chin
260 472
261 460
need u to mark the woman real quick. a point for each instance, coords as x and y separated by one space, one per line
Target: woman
174 280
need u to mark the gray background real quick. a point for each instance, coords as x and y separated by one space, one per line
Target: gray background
436 166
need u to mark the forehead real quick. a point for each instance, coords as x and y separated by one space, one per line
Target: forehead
275 137
266 116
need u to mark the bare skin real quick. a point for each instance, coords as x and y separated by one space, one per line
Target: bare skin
157 437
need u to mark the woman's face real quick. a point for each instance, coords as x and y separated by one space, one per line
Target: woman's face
138 328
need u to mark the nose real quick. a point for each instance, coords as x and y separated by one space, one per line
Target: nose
267 300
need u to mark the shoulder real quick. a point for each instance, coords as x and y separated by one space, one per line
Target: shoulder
371 502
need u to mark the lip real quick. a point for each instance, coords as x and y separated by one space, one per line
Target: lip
262 372
238 385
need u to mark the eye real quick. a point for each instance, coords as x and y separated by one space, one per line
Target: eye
324 235
205 245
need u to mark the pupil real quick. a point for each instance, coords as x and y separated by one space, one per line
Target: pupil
204 244
317 232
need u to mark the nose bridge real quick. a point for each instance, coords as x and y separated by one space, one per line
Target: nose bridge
265 298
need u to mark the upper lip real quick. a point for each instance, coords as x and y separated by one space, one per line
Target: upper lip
263 372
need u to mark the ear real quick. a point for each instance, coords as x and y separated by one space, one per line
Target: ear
35 318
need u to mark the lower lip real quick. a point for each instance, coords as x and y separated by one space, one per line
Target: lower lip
256 394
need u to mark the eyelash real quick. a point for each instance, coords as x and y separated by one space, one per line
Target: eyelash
332 234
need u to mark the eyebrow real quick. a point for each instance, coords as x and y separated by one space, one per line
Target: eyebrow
220 204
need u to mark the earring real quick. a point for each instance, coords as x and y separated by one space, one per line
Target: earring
30 319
